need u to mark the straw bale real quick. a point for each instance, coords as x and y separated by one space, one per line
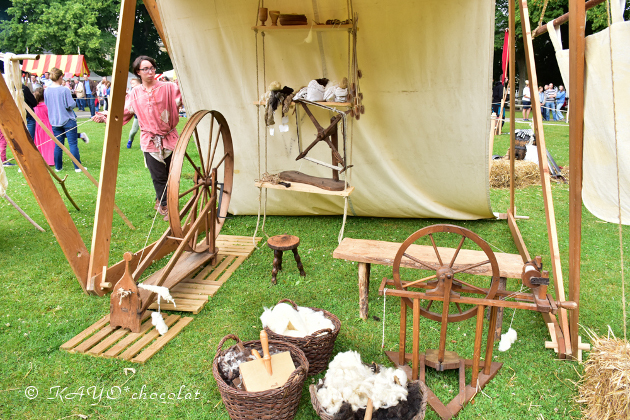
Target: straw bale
526 173
604 390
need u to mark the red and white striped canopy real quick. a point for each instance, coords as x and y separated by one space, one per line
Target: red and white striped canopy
69 64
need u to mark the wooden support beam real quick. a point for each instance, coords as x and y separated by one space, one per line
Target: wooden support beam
152 8
518 238
101 237
36 174
512 65
73 159
544 177
577 23
565 18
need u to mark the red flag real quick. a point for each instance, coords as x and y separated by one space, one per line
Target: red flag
505 55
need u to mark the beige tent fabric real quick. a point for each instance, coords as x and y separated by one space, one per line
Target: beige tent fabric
600 194
420 149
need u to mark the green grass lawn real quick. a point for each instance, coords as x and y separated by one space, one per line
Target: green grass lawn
42 305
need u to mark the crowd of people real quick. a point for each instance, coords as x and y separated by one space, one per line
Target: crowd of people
88 94
153 103
551 100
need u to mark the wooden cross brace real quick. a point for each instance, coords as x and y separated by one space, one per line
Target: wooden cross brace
324 134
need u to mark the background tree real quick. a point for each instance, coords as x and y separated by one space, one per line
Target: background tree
67 26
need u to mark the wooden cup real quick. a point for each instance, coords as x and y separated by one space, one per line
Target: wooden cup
262 15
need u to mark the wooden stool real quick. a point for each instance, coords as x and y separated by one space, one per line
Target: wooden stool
279 244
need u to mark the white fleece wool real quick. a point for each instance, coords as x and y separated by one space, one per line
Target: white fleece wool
507 340
161 291
348 379
158 321
284 320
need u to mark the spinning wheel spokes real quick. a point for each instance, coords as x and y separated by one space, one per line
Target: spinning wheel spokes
459 247
198 188
443 267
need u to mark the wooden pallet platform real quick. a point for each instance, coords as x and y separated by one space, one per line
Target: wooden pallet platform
101 340
192 293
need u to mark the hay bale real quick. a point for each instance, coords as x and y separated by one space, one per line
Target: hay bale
605 387
525 174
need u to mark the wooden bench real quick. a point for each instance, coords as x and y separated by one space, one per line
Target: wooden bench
367 252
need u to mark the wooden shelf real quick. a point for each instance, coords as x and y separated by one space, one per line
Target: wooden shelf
302 27
339 104
295 186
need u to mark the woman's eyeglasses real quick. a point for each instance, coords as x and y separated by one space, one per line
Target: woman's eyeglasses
148 70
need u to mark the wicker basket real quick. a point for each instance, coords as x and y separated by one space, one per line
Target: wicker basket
274 404
325 416
317 347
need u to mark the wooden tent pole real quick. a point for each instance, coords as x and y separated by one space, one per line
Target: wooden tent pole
577 23
101 237
512 65
552 232
152 8
36 174
565 18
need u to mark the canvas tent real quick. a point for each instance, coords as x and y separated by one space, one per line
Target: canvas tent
74 64
420 150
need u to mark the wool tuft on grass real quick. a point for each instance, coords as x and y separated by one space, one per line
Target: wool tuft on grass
604 390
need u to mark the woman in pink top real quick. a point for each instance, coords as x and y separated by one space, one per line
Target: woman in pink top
44 143
156 104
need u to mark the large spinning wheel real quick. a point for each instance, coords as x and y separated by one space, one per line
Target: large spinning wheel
201 176
448 278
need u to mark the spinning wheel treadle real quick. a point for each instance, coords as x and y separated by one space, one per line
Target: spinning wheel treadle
447 278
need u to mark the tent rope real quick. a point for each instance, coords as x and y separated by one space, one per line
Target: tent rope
612 77
542 14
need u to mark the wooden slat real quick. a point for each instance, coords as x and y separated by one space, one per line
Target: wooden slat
381 252
113 338
103 217
231 270
552 232
194 308
518 239
90 342
303 27
160 342
577 25
122 344
192 296
108 342
146 339
295 186
85 333
214 269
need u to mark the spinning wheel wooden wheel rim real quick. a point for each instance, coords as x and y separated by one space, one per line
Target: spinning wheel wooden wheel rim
201 177
447 271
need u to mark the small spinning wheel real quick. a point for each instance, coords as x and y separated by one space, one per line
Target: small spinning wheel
449 271
200 183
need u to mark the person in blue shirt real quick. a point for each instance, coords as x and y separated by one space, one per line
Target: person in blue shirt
90 93
62 118
560 97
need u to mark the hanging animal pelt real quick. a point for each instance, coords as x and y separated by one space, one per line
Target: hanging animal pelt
276 95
